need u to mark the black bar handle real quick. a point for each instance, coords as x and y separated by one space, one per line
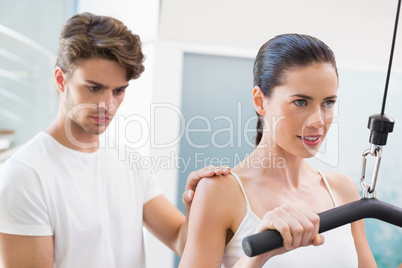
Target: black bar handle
364 208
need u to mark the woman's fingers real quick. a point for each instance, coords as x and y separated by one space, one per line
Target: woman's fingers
310 223
297 227
282 226
289 228
318 240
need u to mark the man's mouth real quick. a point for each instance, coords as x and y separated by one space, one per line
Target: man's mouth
101 119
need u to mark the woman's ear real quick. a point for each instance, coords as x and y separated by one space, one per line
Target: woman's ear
59 79
259 101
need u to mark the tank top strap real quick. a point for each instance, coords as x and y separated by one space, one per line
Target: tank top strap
242 189
328 188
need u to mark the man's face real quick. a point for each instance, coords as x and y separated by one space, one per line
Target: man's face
92 95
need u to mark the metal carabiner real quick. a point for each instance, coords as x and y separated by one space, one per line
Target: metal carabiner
376 152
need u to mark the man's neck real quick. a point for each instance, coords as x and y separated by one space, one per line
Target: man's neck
72 138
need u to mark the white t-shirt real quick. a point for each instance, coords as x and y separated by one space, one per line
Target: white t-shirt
92 203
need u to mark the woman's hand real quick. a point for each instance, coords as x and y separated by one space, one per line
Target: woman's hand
298 228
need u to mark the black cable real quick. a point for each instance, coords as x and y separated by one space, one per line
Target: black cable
390 59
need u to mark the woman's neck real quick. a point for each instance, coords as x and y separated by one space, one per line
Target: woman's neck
272 162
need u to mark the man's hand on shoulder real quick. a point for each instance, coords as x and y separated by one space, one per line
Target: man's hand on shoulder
194 178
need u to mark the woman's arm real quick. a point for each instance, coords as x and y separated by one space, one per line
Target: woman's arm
219 206
347 192
364 254
213 212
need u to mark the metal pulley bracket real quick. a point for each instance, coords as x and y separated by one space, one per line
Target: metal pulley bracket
370 188
380 125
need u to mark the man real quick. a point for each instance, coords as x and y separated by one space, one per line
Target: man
64 200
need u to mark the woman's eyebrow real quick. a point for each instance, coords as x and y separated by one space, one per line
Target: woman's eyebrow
331 97
310 98
302 96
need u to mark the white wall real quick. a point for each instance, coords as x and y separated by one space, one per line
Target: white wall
357 30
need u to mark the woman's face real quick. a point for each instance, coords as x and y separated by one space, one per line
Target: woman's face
299 112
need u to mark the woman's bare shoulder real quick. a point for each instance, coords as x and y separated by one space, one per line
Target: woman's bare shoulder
220 199
344 187
221 187
218 190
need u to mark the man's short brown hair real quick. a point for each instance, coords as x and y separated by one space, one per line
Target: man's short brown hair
87 36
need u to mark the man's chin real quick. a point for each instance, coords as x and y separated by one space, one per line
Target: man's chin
97 130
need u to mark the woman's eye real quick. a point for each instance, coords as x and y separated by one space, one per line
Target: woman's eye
300 102
329 104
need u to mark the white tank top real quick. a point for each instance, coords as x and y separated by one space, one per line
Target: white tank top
337 251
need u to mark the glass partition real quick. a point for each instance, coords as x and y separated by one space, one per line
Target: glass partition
28 45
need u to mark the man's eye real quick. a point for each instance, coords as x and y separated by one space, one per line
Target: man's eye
119 91
93 89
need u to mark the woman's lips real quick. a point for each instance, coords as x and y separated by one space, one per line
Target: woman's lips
312 140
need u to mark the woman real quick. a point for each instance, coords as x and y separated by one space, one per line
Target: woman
296 82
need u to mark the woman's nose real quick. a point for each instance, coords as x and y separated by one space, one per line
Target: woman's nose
316 119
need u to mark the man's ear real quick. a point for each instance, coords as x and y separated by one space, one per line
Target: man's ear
259 100
60 79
